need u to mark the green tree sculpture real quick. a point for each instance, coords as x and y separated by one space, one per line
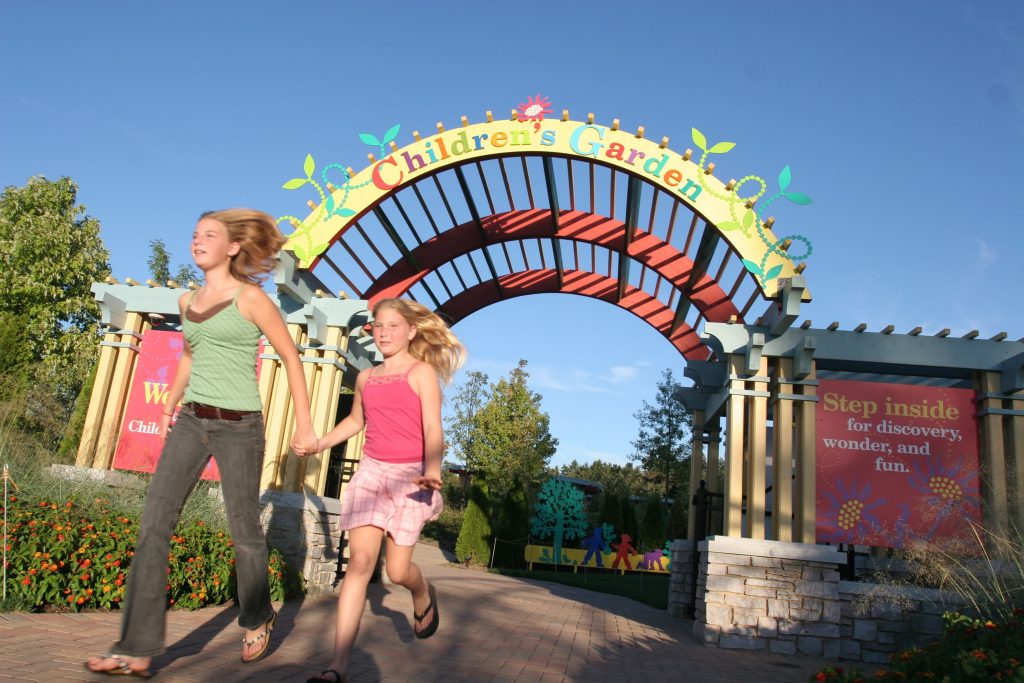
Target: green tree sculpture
560 513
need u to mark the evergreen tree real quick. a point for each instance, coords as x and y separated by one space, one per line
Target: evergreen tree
652 533
678 517
474 542
663 441
611 510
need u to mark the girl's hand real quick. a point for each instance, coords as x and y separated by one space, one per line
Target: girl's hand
165 424
428 482
305 442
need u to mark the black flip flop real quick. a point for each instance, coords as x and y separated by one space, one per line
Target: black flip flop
432 628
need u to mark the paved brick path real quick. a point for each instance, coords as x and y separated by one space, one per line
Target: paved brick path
493 628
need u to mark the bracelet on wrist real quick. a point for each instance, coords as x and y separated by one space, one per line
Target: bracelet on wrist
169 414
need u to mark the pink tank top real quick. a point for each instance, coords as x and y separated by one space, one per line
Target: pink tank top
394 419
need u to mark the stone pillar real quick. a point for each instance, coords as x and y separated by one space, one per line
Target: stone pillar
306 531
756 595
681 577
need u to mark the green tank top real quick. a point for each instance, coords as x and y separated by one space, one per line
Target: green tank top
224 349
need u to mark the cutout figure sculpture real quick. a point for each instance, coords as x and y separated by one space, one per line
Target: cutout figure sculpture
622 550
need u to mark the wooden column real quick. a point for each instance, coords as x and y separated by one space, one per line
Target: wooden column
126 355
734 440
98 400
1016 441
279 421
782 454
756 457
805 490
325 405
714 441
696 467
993 458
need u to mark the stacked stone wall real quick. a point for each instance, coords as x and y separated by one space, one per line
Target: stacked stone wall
788 598
306 530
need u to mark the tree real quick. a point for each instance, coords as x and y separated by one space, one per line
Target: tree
50 254
460 421
611 510
613 478
662 443
652 532
474 542
678 517
559 513
628 512
159 263
511 443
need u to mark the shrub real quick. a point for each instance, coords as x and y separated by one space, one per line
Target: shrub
969 650
652 533
474 543
64 554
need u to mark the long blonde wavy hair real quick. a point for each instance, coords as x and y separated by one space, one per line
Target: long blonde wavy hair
434 343
259 237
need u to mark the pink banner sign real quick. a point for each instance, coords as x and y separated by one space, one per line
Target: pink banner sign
897 464
139 445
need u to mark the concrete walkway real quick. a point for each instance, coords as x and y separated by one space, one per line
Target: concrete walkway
493 628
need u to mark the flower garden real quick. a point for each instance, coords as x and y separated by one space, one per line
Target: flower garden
66 555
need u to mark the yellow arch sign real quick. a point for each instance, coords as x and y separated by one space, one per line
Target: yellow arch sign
735 217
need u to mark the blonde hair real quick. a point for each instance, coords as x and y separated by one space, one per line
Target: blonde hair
259 238
434 343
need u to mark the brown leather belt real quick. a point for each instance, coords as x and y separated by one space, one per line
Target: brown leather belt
215 413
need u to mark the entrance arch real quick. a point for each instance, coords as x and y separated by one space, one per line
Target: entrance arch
474 215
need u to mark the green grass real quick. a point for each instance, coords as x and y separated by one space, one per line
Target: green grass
650 589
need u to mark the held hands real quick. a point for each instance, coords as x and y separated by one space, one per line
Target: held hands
430 481
305 442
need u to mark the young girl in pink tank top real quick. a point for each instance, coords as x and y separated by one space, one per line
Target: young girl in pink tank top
396 489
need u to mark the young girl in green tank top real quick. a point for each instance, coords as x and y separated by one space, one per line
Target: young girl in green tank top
221 417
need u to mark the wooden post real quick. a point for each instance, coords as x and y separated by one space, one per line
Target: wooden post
696 466
806 470
278 427
756 465
117 395
98 400
782 454
993 458
1016 441
325 407
734 438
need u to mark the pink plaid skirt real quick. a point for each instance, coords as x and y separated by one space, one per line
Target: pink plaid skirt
383 495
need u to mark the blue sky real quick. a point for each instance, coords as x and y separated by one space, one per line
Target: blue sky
903 121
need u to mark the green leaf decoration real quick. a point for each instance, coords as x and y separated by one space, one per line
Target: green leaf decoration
391 134
773 273
798 198
345 213
295 183
785 176
370 139
753 267
309 166
699 139
728 225
318 249
329 204
748 220
722 147
300 252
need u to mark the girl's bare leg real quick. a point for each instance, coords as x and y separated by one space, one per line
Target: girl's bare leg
364 547
406 573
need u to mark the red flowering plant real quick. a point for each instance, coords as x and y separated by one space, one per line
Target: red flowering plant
62 554
969 650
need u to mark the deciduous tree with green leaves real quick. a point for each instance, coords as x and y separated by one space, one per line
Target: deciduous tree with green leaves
511 442
614 479
663 440
460 419
50 254
559 513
